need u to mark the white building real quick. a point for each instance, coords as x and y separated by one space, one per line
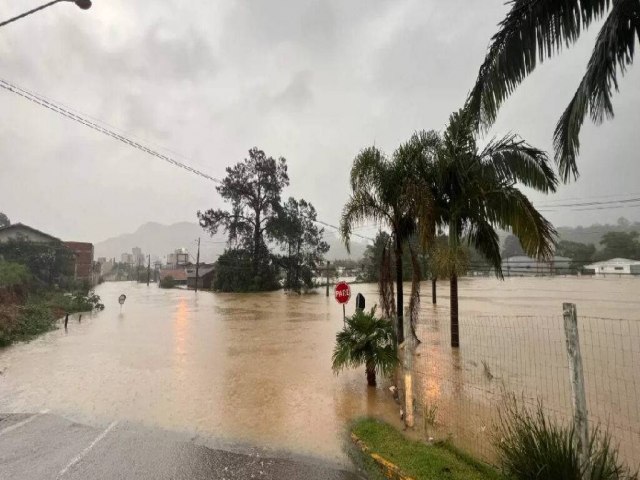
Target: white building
615 266
178 258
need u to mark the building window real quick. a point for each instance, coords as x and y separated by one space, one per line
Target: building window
618 268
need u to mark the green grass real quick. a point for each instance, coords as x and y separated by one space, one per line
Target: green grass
417 459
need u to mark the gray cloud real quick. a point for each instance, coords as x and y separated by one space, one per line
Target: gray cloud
313 81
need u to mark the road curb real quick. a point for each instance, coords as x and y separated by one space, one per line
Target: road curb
389 469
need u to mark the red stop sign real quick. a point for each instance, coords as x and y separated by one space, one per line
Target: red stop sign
342 292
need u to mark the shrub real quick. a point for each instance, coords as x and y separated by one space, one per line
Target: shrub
533 447
167 282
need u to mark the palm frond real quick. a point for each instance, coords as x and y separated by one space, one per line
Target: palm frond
532 31
613 52
517 161
484 238
511 209
362 205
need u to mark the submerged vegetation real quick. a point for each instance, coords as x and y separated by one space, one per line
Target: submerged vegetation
28 307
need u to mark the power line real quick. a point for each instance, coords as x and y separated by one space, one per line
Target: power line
106 131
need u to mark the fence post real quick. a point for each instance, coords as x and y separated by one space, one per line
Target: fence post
407 357
576 377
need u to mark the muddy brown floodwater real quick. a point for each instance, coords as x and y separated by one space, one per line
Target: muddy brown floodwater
251 368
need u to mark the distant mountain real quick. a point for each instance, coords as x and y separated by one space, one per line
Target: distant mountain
160 240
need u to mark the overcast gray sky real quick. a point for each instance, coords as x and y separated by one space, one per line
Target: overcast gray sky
313 81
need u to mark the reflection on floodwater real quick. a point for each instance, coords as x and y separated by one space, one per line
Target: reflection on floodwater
256 368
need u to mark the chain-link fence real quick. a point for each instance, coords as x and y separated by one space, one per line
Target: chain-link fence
459 392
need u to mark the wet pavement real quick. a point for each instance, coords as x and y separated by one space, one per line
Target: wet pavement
43 446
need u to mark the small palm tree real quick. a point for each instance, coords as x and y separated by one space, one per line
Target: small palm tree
534 30
366 340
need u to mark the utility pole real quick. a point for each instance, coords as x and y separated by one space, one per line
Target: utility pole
327 270
198 265
148 269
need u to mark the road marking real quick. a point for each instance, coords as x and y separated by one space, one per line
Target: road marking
22 423
84 452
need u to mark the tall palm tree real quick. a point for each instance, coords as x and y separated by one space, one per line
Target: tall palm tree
366 340
475 191
534 30
379 193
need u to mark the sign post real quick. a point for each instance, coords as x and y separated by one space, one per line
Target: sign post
121 300
342 294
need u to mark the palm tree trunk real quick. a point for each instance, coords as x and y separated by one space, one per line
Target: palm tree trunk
434 280
399 299
455 334
453 297
371 374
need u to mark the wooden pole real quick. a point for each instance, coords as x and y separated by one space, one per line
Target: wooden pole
198 265
576 377
327 272
148 269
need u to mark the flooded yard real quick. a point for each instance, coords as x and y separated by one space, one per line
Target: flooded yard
256 368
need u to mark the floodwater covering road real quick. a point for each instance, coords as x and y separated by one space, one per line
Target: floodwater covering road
251 369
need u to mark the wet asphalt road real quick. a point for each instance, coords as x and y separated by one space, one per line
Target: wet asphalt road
43 446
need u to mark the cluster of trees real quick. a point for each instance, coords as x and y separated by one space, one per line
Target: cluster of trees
614 245
438 182
266 236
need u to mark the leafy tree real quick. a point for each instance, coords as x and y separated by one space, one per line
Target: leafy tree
234 272
473 192
253 189
580 253
301 240
620 245
534 30
4 220
48 263
366 340
512 247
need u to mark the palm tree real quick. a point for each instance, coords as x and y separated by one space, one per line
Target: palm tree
537 29
369 341
475 191
379 193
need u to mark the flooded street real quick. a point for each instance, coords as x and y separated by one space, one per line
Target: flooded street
242 368
256 368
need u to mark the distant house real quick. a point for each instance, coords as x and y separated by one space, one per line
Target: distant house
523 266
615 266
179 275
206 274
20 231
82 267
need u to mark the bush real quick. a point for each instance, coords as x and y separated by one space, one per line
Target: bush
12 274
167 282
533 447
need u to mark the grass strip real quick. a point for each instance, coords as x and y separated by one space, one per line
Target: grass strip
418 460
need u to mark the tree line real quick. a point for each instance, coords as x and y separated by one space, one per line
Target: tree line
270 242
